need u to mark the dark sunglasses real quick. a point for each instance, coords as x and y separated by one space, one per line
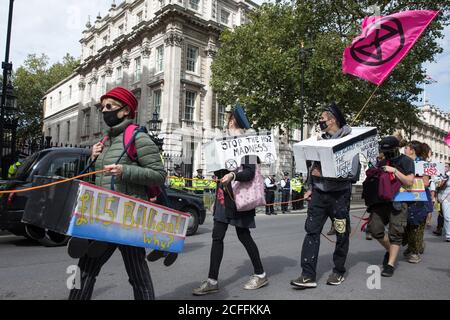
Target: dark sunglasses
109 107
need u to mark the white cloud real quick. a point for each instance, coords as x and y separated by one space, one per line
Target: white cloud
52 27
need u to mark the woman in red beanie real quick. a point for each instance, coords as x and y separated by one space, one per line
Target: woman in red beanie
118 107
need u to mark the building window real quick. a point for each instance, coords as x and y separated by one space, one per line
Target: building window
105 41
99 119
137 69
87 123
157 101
103 84
70 92
68 131
89 90
189 105
159 58
120 29
58 133
119 73
91 50
49 132
139 17
224 16
194 4
221 115
59 98
161 3
192 56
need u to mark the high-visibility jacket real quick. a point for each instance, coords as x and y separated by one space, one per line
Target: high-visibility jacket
13 168
177 182
296 185
200 184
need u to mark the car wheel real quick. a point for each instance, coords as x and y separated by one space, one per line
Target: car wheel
192 222
53 239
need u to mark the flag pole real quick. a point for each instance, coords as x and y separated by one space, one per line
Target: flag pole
365 105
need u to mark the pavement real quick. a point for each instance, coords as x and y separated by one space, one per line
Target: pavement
30 271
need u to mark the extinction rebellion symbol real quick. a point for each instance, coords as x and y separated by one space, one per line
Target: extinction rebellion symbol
369 49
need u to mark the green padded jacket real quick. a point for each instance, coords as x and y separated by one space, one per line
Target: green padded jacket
148 170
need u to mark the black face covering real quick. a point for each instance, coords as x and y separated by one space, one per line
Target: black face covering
391 154
323 125
111 118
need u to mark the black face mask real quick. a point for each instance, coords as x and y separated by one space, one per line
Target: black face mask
391 154
111 118
323 125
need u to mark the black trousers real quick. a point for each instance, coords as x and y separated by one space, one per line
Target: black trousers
218 234
270 198
285 198
296 205
135 265
335 205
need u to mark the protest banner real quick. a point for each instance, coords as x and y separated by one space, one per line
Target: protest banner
227 152
336 155
83 210
414 193
424 168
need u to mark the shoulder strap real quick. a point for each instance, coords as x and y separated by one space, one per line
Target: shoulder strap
129 148
128 140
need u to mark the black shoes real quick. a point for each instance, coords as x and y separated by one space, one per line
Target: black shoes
169 259
388 271
303 283
332 231
335 279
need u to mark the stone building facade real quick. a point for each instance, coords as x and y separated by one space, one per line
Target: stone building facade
162 51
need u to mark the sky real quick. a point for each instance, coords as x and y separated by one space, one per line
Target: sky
54 27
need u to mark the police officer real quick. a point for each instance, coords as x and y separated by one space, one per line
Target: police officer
199 185
177 181
285 185
13 168
270 188
297 188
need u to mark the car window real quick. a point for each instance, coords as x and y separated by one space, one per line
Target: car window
28 164
64 166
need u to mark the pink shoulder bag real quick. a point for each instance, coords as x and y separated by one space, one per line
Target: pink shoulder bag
250 194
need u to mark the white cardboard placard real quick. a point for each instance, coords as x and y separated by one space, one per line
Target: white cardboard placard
336 155
227 152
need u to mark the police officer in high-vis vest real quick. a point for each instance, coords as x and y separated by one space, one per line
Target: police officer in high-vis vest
297 188
177 181
199 183
13 168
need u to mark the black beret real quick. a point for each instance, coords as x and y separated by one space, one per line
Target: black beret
336 112
389 143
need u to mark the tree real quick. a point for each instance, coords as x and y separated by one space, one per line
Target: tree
258 63
31 82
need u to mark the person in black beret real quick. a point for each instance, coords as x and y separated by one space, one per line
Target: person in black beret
328 198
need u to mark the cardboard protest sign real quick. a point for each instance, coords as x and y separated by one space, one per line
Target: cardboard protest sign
423 168
227 152
414 193
83 210
336 155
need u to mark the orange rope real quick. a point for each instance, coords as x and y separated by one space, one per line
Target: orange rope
353 231
52 183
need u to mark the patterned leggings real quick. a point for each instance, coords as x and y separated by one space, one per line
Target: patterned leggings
414 237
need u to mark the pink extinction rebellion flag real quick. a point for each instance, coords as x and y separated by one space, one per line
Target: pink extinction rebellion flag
447 139
383 43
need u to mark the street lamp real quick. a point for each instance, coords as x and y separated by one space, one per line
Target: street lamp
155 127
155 123
302 57
7 108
